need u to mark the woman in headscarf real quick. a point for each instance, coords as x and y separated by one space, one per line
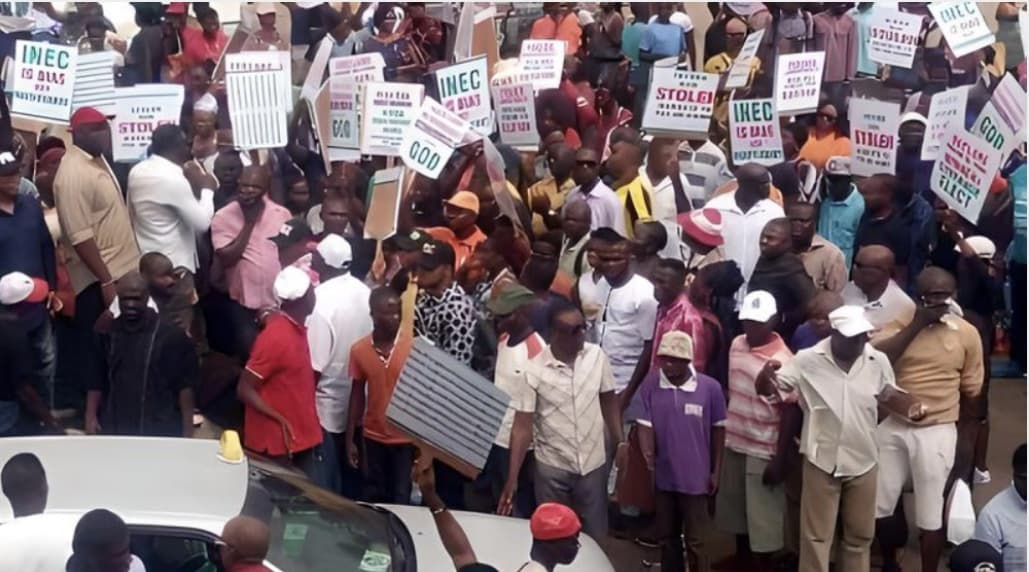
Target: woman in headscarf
205 131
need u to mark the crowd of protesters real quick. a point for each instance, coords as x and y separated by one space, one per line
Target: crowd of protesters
770 351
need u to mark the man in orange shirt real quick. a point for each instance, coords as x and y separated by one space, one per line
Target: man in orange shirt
558 23
461 233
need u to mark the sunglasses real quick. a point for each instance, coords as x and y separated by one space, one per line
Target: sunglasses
827 117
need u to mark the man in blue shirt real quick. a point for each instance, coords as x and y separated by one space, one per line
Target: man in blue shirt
662 38
1001 523
842 207
1017 252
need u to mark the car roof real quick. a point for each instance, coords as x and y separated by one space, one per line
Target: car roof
145 480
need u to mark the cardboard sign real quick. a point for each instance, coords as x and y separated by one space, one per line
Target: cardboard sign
319 115
893 37
964 171
542 62
798 81
754 129
946 108
316 73
1003 117
360 69
384 206
476 35
963 25
387 110
431 139
739 73
680 102
464 89
260 98
873 137
44 80
138 111
94 82
516 115
344 119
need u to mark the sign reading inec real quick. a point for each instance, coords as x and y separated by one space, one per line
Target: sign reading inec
464 89
44 81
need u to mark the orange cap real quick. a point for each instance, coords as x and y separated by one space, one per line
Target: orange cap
466 200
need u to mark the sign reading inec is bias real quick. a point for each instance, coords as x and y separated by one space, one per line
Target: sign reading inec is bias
44 81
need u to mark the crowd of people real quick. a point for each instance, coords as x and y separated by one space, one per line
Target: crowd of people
770 351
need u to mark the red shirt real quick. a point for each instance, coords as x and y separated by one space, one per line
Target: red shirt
198 48
282 361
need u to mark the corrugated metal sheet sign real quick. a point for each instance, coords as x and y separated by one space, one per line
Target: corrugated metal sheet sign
447 406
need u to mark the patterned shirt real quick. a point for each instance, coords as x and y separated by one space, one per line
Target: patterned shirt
752 426
448 321
683 317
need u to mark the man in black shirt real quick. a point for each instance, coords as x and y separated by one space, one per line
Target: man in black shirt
781 273
882 223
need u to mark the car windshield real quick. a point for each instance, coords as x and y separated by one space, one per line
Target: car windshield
313 530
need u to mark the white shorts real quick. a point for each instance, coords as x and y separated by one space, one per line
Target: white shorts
923 456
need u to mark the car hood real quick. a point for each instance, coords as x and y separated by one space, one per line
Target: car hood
499 541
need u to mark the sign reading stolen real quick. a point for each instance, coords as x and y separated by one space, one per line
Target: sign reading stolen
680 102
138 111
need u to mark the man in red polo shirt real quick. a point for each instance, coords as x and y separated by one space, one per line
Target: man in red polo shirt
277 385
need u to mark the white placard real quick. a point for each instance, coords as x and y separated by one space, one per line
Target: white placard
138 111
542 62
893 37
754 129
44 81
739 73
873 137
431 139
387 110
344 119
946 108
94 82
1023 29
963 25
316 73
1003 117
258 88
680 101
464 89
798 81
963 173
516 115
362 68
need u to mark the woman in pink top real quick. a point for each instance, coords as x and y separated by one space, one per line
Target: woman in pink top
827 138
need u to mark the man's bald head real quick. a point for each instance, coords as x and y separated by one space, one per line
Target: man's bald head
133 282
935 280
754 179
876 255
579 210
873 269
247 539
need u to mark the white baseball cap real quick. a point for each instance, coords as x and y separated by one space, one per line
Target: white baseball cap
17 287
291 284
335 251
758 306
983 247
264 8
850 321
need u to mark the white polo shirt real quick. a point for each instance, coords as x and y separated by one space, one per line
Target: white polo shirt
893 311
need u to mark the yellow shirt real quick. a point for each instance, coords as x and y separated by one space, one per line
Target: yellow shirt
548 188
636 200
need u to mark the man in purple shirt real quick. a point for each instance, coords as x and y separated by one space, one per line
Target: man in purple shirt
682 436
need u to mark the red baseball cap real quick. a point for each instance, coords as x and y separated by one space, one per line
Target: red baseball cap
176 8
703 226
553 521
86 116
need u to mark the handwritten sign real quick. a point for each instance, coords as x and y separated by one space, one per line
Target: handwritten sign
754 129
963 26
946 108
873 137
516 115
798 81
1003 117
464 89
138 111
362 68
739 73
94 82
44 81
387 110
893 37
431 139
680 102
964 171
260 98
542 62
343 114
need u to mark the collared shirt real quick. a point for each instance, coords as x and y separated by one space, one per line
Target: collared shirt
892 312
199 48
837 36
463 247
380 374
565 28
742 233
90 206
665 208
604 205
1001 524
681 316
448 321
27 248
840 407
548 188
838 222
250 279
635 200
752 426
509 375
625 317
339 319
574 261
282 363
942 363
824 263
164 212
569 427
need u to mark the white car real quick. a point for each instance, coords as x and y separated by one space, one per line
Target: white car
176 495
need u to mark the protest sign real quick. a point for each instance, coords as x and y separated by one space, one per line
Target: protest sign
44 81
680 102
754 129
344 119
893 37
1003 117
387 110
739 73
138 111
498 182
873 137
360 69
516 115
946 108
321 124
384 206
464 89
542 62
316 72
94 82
798 81
431 139
260 97
963 25
964 171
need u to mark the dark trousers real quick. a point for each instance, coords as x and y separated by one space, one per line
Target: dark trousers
387 472
308 461
44 360
339 477
678 515
244 326
494 476
1017 332
217 309
86 359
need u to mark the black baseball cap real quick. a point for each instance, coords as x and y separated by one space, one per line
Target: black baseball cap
293 231
976 556
409 242
436 253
